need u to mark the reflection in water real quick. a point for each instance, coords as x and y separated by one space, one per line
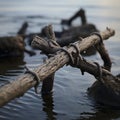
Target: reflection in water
11 68
10 63
48 106
101 113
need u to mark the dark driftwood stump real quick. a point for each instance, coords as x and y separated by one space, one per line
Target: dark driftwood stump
104 95
11 46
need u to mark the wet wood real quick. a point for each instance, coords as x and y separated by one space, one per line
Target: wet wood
110 81
108 78
26 81
104 55
47 84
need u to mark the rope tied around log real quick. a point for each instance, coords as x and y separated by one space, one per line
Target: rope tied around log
74 57
100 37
78 59
77 52
54 47
36 78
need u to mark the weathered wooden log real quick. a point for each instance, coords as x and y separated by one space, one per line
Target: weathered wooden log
84 44
48 32
47 84
26 81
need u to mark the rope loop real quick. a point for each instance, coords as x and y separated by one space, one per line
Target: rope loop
77 54
35 77
98 34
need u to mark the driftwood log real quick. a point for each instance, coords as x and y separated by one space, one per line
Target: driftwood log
26 81
71 35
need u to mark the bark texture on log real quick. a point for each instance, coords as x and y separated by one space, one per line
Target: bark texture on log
25 82
47 85
107 79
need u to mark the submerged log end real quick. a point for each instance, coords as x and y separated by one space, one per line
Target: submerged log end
104 96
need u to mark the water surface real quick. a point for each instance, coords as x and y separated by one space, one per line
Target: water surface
69 100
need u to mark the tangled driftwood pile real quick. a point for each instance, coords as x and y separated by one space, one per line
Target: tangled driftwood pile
61 52
60 58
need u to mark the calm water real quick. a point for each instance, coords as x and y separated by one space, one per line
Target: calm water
69 100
